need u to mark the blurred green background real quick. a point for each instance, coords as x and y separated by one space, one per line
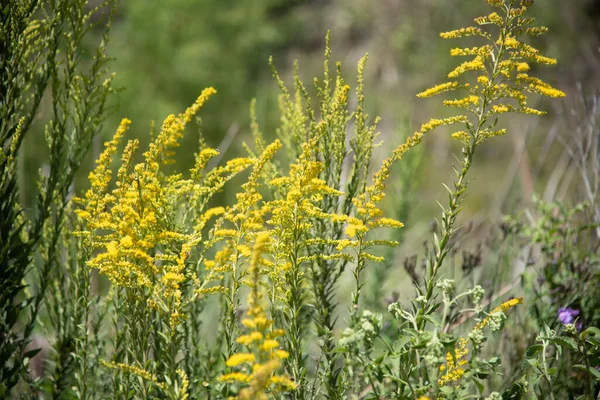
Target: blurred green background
166 52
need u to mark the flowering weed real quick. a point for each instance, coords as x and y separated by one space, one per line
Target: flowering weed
245 300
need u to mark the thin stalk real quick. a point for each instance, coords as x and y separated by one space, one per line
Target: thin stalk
460 184
546 374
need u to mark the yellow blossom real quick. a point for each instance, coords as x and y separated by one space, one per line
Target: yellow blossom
474 65
453 369
463 32
444 87
463 103
240 358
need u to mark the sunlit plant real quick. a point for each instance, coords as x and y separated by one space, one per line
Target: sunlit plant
244 300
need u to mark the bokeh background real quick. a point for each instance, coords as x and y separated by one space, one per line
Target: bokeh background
166 52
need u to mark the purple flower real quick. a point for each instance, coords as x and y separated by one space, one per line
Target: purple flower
567 315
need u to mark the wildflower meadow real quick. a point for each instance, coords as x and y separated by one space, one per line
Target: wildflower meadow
289 270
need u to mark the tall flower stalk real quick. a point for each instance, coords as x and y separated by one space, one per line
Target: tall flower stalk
502 67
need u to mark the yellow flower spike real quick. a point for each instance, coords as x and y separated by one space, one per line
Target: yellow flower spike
269 344
172 130
456 52
246 340
507 305
463 103
134 370
172 279
441 88
283 382
234 377
474 65
263 354
502 108
386 222
193 110
510 42
434 123
240 358
462 136
536 31
523 67
201 161
96 197
281 354
463 32
185 383
453 370
502 68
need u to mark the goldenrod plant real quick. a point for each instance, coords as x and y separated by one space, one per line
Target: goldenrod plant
156 288
41 60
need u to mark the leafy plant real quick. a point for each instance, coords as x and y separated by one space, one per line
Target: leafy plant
177 264
41 49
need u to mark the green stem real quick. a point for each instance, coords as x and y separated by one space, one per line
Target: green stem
360 265
546 374
581 344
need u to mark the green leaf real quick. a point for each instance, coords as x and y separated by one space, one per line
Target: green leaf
533 350
533 362
433 320
566 342
594 341
403 341
448 341
589 331
31 353
592 371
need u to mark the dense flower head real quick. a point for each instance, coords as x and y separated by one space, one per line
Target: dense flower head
136 225
296 208
242 222
502 66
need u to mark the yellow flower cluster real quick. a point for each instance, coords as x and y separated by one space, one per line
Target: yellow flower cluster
301 194
502 64
507 305
137 371
463 32
466 102
437 89
246 218
473 51
172 130
477 64
492 18
454 364
136 224
453 370
256 368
